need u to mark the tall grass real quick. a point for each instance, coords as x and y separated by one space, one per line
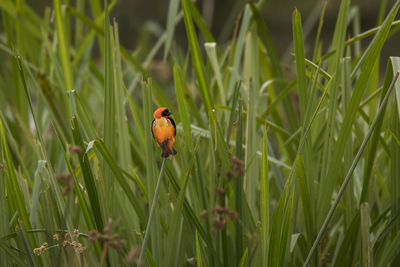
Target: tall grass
270 170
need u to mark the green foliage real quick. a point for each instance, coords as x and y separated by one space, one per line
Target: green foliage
260 179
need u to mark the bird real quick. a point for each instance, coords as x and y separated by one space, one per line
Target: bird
163 129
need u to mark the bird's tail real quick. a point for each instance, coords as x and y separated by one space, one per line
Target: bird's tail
165 153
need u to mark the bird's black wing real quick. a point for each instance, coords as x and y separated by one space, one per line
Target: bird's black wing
173 123
152 124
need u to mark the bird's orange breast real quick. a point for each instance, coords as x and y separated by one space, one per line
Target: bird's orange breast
163 129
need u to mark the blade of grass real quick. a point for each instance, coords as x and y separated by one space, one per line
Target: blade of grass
212 56
14 193
152 211
252 83
304 191
196 56
109 103
90 224
4 210
275 65
349 173
395 157
174 222
237 50
26 246
122 146
373 146
349 199
64 49
334 68
183 110
198 252
232 113
345 255
172 13
243 260
107 157
280 226
198 19
316 53
36 190
150 165
190 215
264 199
376 45
300 65
239 183
395 147
390 253
365 244
21 101
88 175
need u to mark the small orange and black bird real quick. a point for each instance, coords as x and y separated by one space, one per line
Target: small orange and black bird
163 129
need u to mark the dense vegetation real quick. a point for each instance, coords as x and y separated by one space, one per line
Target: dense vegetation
274 167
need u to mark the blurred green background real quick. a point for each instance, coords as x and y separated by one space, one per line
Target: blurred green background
142 22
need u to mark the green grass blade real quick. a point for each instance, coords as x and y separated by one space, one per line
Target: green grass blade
239 192
264 199
109 101
200 22
26 246
275 65
373 146
350 173
4 209
13 189
90 224
172 13
172 237
243 260
64 49
252 83
152 211
196 56
304 191
212 56
349 198
316 53
280 226
395 146
334 68
390 253
88 176
235 98
345 256
190 214
300 65
36 190
183 110
365 245
122 144
395 157
118 173
237 50
198 252
267 41
151 181
376 46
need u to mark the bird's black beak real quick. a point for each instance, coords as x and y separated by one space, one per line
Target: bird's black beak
166 113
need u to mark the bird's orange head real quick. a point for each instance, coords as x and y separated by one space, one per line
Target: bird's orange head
161 112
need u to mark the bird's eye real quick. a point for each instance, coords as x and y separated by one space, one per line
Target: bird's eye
165 113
